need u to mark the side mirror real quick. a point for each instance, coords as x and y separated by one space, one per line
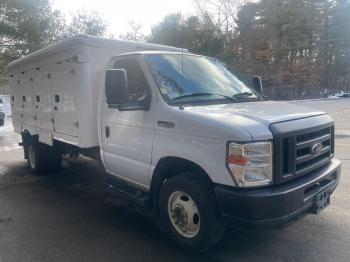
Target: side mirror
116 87
257 84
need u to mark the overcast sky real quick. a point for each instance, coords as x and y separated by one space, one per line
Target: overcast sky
118 13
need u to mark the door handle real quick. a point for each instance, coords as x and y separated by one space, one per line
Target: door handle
166 124
107 131
55 108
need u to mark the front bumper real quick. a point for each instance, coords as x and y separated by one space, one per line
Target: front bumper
279 205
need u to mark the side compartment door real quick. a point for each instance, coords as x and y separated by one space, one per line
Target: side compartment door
26 86
63 94
42 99
128 130
16 101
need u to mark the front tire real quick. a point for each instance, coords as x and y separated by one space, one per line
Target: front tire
190 213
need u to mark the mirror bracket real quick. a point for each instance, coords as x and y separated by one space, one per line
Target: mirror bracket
257 84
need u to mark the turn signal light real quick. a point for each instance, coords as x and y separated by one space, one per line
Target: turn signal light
237 160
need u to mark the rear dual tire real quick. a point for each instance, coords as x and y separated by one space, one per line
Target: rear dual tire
190 214
42 158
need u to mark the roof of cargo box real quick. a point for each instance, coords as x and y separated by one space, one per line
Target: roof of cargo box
93 42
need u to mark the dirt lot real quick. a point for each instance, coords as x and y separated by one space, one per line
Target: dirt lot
71 216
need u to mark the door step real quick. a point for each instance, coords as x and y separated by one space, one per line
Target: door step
116 185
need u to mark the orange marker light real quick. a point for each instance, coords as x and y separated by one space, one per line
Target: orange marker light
237 160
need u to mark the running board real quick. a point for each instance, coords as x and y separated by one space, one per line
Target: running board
130 192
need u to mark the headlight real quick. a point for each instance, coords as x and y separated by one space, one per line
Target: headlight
250 164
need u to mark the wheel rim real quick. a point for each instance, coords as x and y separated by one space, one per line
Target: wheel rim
32 159
183 213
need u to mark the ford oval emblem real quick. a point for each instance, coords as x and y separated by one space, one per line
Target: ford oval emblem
316 149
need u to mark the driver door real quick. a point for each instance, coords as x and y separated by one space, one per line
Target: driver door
128 130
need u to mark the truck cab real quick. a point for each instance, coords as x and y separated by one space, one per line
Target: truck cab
178 133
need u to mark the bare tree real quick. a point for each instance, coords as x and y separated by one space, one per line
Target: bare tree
89 23
223 13
134 34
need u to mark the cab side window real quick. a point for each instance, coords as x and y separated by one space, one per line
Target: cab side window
137 84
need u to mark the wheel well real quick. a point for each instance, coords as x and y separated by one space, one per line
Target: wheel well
169 167
27 136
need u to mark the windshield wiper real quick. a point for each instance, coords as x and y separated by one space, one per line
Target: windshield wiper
204 94
243 95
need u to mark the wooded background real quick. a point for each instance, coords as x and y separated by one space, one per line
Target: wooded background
300 47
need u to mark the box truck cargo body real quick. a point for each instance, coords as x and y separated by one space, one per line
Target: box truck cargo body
178 133
56 90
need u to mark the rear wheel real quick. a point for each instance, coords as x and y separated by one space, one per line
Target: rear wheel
190 213
32 157
42 158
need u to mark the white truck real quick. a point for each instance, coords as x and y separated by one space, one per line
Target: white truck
179 133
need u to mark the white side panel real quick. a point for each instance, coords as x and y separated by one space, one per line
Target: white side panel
26 87
16 102
42 99
128 150
45 137
85 99
63 97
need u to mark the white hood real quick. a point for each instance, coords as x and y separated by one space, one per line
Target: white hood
266 112
254 117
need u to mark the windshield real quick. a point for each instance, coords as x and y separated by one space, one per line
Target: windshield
190 78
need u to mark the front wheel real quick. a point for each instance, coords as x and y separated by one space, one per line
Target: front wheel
190 213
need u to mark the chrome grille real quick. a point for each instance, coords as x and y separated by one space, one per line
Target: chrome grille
294 156
306 160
